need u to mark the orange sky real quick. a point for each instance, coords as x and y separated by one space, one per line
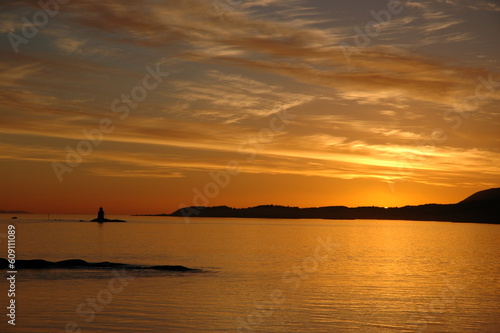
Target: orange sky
145 106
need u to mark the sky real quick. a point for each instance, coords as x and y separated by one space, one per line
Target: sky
149 106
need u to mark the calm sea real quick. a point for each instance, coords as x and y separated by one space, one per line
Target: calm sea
258 275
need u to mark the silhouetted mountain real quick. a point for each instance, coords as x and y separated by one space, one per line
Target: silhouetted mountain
490 194
483 207
14 212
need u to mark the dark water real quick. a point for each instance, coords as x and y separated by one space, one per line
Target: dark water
258 276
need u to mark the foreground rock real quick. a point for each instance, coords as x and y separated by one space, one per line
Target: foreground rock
79 263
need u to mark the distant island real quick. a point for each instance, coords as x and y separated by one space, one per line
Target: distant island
481 207
14 212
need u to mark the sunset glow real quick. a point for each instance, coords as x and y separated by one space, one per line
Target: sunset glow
143 105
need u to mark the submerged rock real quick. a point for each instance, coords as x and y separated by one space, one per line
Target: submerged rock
79 263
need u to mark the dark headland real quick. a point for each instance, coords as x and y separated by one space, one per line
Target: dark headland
481 207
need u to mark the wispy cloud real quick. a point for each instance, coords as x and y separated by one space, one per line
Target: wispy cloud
357 118
479 5
232 97
291 47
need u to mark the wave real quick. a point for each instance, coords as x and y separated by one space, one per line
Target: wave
79 264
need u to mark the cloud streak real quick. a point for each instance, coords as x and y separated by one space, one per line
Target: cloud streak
358 117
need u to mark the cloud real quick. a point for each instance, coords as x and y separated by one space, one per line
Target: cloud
287 46
9 23
396 133
436 26
478 5
155 173
294 58
388 113
231 97
70 42
13 76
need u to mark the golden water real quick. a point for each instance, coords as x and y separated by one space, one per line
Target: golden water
258 276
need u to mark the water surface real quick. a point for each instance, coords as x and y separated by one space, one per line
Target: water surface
259 275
